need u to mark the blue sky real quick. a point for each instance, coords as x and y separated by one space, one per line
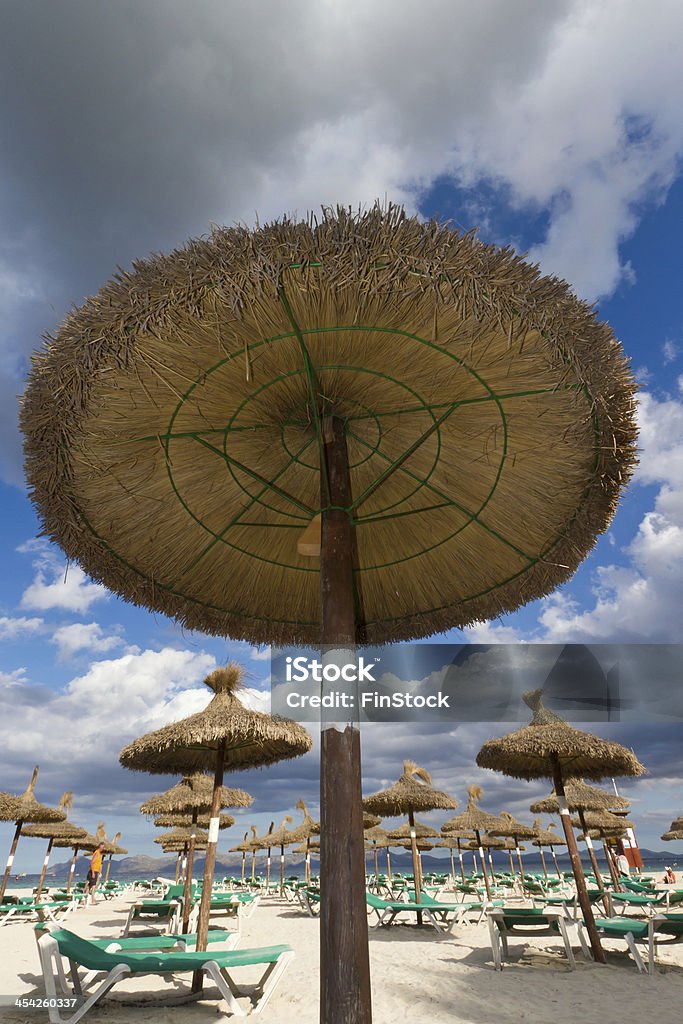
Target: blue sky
553 126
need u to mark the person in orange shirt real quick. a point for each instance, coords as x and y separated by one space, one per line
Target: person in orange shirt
94 871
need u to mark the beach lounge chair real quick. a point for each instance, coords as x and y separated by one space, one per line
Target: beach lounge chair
164 911
528 922
441 916
662 927
217 965
648 903
27 910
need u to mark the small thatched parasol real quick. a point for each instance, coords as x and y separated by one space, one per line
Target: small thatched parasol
374 835
582 797
20 809
191 796
509 827
51 831
226 736
370 820
451 843
244 847
88 843
673 834
473 819
412 793
304 832
550 747
182 835
197 406
194 793
547 837
203 820
281 837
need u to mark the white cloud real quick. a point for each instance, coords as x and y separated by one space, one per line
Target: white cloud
669 351
86 636
58 585
13 627
13 678
106 707
260 653
642 599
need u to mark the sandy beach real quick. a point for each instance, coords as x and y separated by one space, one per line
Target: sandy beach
417 975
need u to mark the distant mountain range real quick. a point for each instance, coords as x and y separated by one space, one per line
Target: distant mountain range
142 866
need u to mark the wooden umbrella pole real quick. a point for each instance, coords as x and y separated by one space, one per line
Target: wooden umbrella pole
189 867
462 866
282 869
388 867
72 868
307 872
374 844
577 868
268 862
591 851
46 861
416 859
545 870
482 858
209 863
557 866
244 857
253 866
512 864
521 865
614 874
177 865
10 859
345 996
452 864
106 877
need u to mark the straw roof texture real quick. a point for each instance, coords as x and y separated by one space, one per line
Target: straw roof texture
194 793
603 821
528 753
451 842
245 846
182 836
307 828
472 819
423 845
252 738
26 808
88 842
178 847
673 834
314 847
581 797
546 837
370 820
509 826
375 834
171 426
282 836
203 820
56 829
421 831
413 791
488 841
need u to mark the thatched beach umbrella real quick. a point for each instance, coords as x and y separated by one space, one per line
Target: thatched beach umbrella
373 835
412 793
111 847
304 832
672 834
258 397
509 828
51 831
581 797
263 842
20 809
282 836
473 819
452 843
87 843
244 847
602 825
547 837
226 736
455 835
193 796
422 834
550 747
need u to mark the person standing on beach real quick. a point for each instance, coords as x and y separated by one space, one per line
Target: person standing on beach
94 872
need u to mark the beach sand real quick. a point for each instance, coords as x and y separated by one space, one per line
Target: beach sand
417 976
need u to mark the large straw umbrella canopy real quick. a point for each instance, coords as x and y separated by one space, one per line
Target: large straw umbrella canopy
203 820
413 792
550 747
20 809
225 735
181 414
